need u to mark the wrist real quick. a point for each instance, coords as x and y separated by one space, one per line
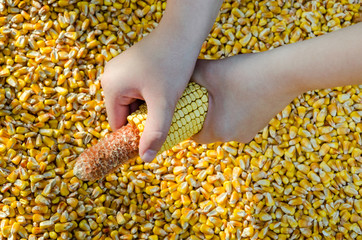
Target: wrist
280 65
268 76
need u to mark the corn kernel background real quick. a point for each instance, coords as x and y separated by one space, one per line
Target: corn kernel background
300 178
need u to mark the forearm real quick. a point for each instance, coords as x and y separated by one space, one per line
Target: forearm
184 27
327 61
188 22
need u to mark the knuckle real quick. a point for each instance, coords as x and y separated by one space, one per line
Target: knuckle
246 138
157 136
226 135
105 79
223 133
201 139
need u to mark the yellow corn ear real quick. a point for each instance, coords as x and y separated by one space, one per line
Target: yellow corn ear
188 118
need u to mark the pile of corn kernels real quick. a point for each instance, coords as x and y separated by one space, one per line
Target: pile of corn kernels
300 178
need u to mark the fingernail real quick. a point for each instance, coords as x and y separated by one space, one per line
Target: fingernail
149 155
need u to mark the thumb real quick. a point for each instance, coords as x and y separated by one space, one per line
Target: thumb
159 116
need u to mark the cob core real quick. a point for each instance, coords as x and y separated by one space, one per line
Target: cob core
122 145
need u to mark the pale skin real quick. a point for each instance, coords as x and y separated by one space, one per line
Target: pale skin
245 91
157 70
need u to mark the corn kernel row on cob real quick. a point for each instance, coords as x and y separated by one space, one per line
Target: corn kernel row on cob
121 146
187 120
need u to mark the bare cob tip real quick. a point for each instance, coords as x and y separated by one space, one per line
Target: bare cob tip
82 170
87 166
108 154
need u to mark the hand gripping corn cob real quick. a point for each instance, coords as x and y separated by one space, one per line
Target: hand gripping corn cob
120 146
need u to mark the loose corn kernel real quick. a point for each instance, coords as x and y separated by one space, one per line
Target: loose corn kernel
299 178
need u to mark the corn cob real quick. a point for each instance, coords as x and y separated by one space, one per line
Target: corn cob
122 145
